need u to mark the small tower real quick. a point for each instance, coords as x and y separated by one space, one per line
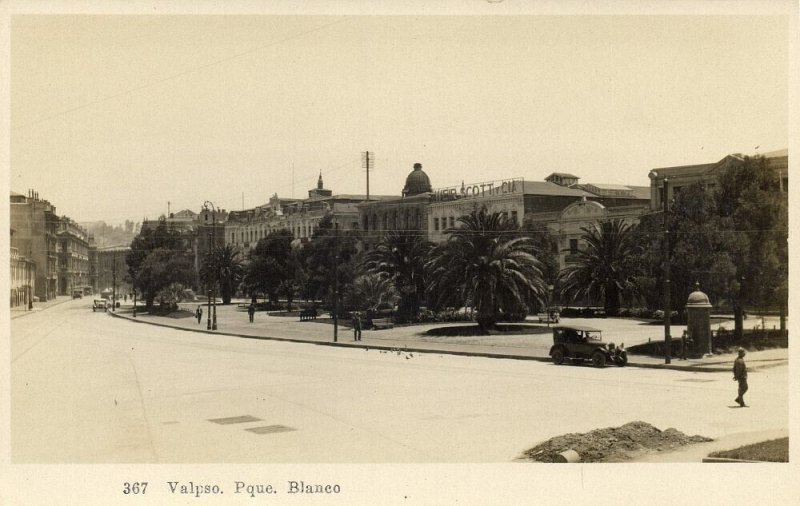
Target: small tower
698 310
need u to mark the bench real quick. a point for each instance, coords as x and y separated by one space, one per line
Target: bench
382 323
308 314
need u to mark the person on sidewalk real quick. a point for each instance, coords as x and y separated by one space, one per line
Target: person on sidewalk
251 311
740 375
199 313
356 326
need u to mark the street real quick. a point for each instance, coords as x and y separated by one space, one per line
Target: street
89 388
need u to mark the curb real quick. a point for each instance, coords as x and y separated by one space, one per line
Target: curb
672 367
26 313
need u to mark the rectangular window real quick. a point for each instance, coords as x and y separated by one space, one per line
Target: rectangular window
436 223
452 222
514 217
573 246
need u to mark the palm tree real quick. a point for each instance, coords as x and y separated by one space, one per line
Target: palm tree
486 261
603 270
223 265
400 257
372 290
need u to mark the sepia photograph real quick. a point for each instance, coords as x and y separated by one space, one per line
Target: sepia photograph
398 253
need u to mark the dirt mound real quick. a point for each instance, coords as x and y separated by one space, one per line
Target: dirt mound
612 444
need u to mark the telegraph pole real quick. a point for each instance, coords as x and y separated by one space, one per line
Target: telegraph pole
114 284
366 158
336 282
667 292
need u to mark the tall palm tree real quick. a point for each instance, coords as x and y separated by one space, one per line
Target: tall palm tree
486 261
400 257
223 265
604 268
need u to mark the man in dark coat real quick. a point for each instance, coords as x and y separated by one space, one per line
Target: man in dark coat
199 313
251 311
356 326
740 375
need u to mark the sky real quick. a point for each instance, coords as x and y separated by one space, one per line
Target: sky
124 117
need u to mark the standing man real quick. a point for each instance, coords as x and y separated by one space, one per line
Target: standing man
356 326
740 375
199 313
251 310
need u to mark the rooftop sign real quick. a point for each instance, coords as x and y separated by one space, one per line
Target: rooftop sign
486 189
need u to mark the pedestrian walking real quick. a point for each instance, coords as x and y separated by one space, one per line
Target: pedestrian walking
199 313
356 326
251 311
740 375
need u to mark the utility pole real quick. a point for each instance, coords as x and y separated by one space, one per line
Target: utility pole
114 284
667 287
336 282
366 158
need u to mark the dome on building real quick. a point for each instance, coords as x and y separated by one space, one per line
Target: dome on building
417 182
698 298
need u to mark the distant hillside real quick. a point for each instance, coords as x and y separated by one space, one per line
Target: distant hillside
106 235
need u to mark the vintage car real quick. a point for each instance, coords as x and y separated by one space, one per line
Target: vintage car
579 343
99 304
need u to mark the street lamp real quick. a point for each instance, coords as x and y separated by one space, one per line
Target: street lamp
212 314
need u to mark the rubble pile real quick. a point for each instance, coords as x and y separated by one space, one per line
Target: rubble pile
612 444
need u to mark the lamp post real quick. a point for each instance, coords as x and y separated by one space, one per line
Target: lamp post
212 239
667 289
134 302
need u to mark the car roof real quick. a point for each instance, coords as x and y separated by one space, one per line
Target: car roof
578 327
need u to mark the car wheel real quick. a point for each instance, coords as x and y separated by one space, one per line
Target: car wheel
598 359
558 356
622 360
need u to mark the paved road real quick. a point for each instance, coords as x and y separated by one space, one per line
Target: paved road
90 388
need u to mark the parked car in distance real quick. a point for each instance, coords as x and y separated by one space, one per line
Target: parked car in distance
579 343
77 294
99 304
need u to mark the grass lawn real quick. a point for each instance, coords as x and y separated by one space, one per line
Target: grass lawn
776 450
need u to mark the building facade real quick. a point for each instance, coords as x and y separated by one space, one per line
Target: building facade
407 212
35 226
301 217
21 279
706 174
73 258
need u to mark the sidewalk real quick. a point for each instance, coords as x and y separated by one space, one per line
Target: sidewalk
20 311
413 339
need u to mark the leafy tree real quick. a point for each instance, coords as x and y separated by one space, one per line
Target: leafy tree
275 267
319 260
730 236
159 256
754 212
485 260
603 268
400 257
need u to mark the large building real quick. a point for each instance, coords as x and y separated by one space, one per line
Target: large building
682 176
407 212
73 258
301 217
35 225
21 278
